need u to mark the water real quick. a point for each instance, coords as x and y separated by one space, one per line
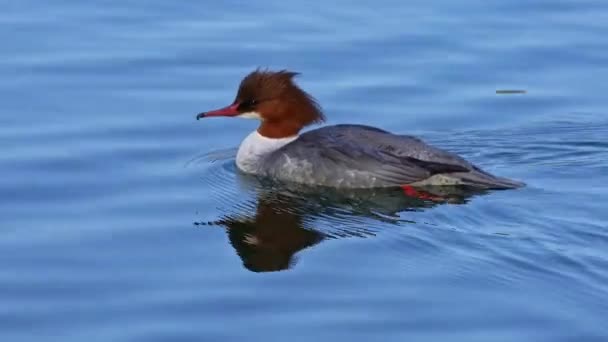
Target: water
124 219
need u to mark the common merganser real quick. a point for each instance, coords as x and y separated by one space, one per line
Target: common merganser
340 156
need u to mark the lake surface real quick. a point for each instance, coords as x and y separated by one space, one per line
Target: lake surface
124 219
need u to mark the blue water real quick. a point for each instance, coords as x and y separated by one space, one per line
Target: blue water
124 219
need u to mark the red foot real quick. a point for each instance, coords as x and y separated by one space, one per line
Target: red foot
411 192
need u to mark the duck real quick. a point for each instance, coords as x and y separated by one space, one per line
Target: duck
351 156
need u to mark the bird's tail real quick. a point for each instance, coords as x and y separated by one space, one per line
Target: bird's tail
484 180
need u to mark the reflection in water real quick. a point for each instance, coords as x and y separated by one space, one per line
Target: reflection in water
281 221
269 238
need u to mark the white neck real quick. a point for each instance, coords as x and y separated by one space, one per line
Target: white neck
254 148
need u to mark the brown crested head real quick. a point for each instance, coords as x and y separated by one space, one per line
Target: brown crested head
274 98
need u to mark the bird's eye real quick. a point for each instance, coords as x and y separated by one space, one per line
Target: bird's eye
248 103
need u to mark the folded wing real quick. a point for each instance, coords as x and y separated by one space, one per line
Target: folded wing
356 154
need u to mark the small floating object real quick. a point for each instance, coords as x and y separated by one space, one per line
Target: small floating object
510 91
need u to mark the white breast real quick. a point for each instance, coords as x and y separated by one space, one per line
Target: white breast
254 148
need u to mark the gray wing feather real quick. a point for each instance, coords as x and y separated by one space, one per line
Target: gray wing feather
360 154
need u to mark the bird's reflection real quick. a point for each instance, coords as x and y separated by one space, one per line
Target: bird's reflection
282 222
